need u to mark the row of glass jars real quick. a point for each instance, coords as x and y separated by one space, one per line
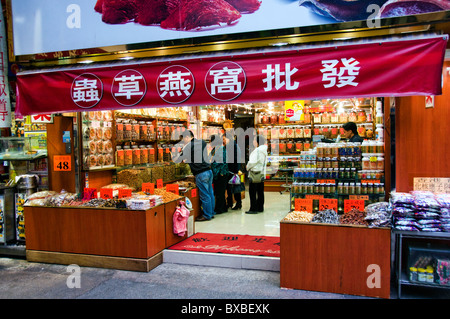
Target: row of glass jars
132 130
342 188
289 147
170 131
135 155
335 173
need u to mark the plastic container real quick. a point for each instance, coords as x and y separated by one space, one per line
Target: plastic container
379 132
380 163
366 163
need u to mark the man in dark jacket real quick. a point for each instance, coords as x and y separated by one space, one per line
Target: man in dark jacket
351 133
196 155
234 166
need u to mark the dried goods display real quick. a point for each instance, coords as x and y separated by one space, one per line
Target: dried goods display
300 216
98 147
328 216
421 211
353 217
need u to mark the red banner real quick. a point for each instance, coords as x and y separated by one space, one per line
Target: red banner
392 68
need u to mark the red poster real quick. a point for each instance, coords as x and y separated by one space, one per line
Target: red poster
409 66
350 204
124 192
302 205
173 188
148 188
89 193
328 203
106 193
159 183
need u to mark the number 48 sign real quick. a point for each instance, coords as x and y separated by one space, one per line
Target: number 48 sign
62 163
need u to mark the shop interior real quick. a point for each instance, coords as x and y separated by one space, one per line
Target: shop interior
126 148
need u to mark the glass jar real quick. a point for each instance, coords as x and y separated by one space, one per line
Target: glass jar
128 155
127 131
151 155
150 131
143 130
120 156
134 130
136 155
119 130
144 154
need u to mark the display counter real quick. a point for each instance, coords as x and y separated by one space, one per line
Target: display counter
337 258
101 237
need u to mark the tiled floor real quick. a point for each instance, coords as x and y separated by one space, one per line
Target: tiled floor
267 223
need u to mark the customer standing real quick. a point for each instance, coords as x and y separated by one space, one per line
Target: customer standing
234 166
220 171
351 133
256 168
196 155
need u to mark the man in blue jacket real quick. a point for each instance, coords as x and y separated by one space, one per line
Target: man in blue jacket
196 155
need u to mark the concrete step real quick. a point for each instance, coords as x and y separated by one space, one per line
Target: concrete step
221 260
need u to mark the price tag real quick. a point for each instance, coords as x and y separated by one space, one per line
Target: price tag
326 181
173 188
370 181
159 183
304 205
89 193
194 192
359 197
350 204
62 163
124 192
328 203
310 196
106 193
148 188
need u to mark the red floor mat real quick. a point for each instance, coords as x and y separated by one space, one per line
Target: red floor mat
231 244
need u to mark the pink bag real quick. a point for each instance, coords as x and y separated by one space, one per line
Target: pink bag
180 219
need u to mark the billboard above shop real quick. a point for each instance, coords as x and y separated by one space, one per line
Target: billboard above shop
404 67
44 26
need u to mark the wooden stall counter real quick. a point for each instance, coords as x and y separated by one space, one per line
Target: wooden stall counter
96 237
332 258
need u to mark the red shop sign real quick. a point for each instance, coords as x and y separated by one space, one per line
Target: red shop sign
410 66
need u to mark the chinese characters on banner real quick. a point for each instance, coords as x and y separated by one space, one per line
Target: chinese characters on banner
5 105
327 72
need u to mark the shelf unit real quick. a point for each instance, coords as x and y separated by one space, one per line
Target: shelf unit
401 240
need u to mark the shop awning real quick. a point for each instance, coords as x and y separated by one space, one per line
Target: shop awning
400 66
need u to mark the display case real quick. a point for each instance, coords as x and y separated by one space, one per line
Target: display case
20 149
97 140
422 259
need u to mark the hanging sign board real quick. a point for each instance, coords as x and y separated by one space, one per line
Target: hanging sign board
339 71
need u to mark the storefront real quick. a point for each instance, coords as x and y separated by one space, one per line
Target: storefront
119 122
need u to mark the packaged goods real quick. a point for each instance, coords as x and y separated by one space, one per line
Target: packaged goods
378 214
300 216
328 216
353 217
